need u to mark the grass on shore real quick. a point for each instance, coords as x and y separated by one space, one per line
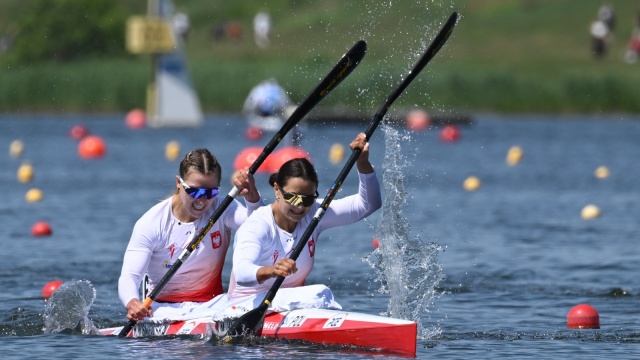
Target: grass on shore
505 56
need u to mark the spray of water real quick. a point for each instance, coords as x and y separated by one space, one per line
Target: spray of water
68 308
407 268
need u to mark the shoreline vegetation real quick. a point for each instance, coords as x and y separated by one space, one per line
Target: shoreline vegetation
528 56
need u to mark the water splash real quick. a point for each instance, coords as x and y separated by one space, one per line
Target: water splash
68 308
407 268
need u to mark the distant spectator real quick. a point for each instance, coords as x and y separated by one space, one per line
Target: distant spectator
633 46
262 29
219 31
6 41
599 38
181 24
607 16
234 30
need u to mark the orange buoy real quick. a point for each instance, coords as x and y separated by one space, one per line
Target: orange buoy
285 154
79 131
49 288
247 157
583 316
91 146
418 120
450 133
136 119
41 228
253 133
375 243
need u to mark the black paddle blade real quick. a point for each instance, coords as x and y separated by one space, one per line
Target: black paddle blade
247 324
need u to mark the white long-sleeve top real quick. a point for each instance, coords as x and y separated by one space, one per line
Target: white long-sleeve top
260 242
158 239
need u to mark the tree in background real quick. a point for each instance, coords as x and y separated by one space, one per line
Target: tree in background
66 30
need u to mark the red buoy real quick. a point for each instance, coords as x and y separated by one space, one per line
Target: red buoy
285 154
583 316
79 131
50 287
246 158
91 146
450 133
418 120
375 243
136 119
253 133
41 228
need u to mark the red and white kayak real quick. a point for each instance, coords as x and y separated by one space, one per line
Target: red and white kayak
324 326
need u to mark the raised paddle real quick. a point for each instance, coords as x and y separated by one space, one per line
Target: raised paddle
340 71
251 322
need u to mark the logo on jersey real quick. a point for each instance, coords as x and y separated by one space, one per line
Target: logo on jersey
216 239
312 247
275 256
172 250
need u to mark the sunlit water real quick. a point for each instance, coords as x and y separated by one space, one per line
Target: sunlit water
498 268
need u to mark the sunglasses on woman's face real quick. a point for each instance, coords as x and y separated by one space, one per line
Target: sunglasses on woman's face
294 199
196 192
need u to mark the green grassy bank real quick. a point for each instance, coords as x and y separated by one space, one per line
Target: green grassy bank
505 56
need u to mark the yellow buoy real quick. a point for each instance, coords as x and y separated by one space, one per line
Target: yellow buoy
33 195
16 148
602 172
25 173
172 150
336 153
471 183
590 212
514 155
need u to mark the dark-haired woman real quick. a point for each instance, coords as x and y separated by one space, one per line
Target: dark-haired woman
164 231
263 243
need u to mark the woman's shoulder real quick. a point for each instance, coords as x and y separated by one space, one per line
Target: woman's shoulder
157 212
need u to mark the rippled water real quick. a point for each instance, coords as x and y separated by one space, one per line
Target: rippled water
504 264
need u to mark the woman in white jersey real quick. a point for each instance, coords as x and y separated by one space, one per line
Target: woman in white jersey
263 243
162 233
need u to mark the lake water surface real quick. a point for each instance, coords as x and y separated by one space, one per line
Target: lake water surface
504 264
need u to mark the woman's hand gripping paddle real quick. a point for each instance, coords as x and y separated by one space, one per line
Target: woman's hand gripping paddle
340 71
251 322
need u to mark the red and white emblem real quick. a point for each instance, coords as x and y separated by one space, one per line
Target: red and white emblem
312 247
216 239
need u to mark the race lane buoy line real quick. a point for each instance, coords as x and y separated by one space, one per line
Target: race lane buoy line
246 157
25 172
272 163
417 120
77 132
92 147
136 119
450 133
49 288
33 195
514 155
16 148
583 316
172 150
41 228
285 154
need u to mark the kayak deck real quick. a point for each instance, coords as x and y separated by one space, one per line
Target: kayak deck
323 326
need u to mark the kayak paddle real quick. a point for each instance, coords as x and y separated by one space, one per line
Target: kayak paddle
251 322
